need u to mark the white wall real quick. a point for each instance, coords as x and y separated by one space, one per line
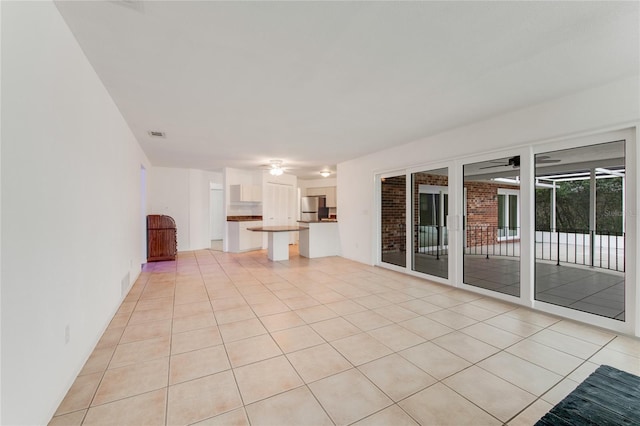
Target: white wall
183 194
216 212
614 105
169 195
303 184
71 210
199 210
283 179
0 211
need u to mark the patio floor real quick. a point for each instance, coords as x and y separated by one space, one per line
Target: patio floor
592 290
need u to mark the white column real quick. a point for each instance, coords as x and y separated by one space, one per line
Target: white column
553 207
592 213
278 246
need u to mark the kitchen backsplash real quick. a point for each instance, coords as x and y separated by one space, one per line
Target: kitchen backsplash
235 209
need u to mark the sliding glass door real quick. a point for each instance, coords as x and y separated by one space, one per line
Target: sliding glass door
491 257
551 226
580 229
430 208
393 220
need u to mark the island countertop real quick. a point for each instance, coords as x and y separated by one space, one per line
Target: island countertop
319 221
277 228
244 218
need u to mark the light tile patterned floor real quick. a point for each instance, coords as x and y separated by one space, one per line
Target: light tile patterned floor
218 339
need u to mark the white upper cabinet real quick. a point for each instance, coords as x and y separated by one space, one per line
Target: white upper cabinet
245 193
331 197
329 192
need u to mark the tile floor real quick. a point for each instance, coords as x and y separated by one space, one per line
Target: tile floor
233 339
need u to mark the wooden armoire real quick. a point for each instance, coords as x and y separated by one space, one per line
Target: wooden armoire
162 243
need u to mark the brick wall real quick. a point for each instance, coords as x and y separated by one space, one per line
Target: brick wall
422 178
393 214
482 212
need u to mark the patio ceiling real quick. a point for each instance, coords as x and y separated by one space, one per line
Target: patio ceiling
605 156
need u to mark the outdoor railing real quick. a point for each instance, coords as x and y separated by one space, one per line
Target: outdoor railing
492 241
600 249
603 250
432 240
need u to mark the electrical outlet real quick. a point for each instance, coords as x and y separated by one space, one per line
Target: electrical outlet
67 334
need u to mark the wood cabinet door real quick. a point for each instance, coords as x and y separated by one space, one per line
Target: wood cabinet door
331 196
161 244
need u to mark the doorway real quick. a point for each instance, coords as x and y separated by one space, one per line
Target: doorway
430 232
216 216
143 211
491 257
393 220
580 229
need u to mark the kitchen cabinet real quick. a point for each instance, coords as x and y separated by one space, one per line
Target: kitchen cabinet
240 239
329 192
315 191
245 193
280 207
331 197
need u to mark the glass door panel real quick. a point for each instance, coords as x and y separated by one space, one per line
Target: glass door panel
430 195
393 220
580 231
491 258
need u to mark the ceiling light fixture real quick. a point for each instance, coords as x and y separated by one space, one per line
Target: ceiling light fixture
325 173
276 168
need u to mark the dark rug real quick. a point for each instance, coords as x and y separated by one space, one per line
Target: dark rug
607 397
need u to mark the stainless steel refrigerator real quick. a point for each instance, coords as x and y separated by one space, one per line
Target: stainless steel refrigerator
309 209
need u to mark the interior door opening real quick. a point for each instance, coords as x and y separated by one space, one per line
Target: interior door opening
216 216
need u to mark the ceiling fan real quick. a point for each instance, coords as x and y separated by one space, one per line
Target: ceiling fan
514 162
275 167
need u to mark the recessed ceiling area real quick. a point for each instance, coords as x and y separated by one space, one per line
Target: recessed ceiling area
236 84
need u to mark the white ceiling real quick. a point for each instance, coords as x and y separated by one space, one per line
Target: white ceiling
317 83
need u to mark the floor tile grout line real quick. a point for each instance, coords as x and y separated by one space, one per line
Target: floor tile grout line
565 377
377 292
173 309
235 379
467 399
110 358
539 397
233 373
104 372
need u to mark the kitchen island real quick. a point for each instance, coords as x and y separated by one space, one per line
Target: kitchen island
240 239
321 239
278 247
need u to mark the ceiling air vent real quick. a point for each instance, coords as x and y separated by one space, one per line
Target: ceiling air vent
157 134
137 5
